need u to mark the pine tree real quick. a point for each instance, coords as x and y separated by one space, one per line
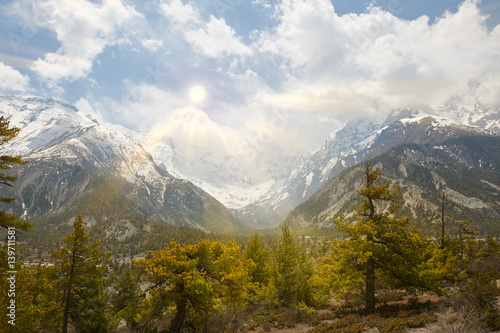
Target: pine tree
127 299
179 275
80 281
256 251
193 281
380 245
8 133
292 270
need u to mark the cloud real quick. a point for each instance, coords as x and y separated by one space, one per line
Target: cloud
375 59
180 14
345 99
84 28
142 105
83 105
11 80
298 80
152 45
193 131
216 39
212 38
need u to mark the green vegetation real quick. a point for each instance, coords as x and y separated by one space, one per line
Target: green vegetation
79 282
466 166
8 133
381 274
380 246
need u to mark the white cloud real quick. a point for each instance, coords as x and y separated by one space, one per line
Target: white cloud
180 14
142 105
84 28
152 45
193 131
83 105
212 38
216 39
11 80
341 100
340 64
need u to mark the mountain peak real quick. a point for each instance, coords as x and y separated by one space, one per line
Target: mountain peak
75 160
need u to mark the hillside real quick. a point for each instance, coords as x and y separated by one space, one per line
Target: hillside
363 139
465 169
79 165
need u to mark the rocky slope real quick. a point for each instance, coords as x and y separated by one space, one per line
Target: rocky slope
80 165
465 169
361 140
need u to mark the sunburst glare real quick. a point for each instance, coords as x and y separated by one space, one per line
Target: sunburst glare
197 93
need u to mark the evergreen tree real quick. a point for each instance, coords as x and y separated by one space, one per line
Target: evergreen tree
8 133
256 251
127 298
179 275
229 273
80 282
380 245
292 270
192 282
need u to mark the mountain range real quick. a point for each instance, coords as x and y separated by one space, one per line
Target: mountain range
361 140
79 164
464 169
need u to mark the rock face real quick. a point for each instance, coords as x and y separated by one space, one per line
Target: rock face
77 160
465 169
361 140
80 165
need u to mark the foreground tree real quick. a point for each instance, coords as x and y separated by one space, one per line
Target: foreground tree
380 245
191 280
8 133
79 283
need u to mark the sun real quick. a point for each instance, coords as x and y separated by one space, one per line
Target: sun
197 93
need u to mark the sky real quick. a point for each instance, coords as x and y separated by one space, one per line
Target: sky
239 74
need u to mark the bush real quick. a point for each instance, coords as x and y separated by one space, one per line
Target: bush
478 297
464 320
349 324
421 320
392 325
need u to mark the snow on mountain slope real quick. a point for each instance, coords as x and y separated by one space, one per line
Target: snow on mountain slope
190 147
360 140
464 169
265 192
61 142
39 127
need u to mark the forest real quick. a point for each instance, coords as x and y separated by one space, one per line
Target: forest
381 272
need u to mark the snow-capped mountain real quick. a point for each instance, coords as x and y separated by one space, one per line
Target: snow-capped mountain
55 136
71 155
464 169
360 140
189 147
267 193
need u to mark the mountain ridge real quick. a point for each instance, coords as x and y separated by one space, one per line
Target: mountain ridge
364 139
465 169
68 151
71 135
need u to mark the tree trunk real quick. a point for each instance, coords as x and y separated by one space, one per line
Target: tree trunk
67 296
370 284
180 316
443 245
